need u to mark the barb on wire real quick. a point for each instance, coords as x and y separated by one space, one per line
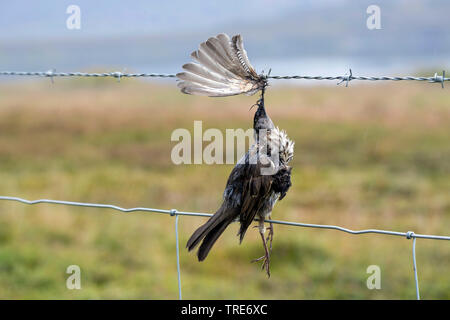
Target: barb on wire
118 75
50 74
439 79
347 78
176 213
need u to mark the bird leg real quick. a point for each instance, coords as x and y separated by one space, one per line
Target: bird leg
270 235
266 256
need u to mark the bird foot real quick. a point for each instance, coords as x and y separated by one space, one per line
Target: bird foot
266 256
265 265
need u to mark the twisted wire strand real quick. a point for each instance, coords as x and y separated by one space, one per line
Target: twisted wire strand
117 74
369 78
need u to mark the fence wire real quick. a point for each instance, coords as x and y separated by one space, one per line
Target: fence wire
176 213
173 212
118 75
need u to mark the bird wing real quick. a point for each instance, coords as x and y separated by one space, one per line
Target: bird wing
249 189
221 69
256 191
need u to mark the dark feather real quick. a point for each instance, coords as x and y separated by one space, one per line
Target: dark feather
211 238
282 181
212 229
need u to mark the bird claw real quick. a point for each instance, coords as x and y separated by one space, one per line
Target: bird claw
265 264
258 259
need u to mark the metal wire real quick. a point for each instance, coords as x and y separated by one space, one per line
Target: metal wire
176 213
369 78
415 268
178 255
349 77
408 234
117 74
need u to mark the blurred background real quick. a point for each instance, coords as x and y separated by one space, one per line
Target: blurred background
374 155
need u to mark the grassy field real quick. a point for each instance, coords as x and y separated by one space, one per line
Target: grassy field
373 156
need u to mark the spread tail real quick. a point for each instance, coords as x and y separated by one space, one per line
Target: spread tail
221 69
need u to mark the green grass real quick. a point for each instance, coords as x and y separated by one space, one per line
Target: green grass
366 157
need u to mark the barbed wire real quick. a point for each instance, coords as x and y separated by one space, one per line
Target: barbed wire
174 212
118 75
349 77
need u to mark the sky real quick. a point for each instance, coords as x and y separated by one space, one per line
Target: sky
310 36
21 19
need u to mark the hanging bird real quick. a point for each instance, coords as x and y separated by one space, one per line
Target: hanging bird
262 176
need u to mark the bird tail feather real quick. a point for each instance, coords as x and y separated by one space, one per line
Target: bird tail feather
222 69
210 232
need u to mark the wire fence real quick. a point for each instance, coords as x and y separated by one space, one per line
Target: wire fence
118 75
174 212
341 78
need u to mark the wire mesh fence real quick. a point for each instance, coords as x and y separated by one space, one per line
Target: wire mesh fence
174 212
